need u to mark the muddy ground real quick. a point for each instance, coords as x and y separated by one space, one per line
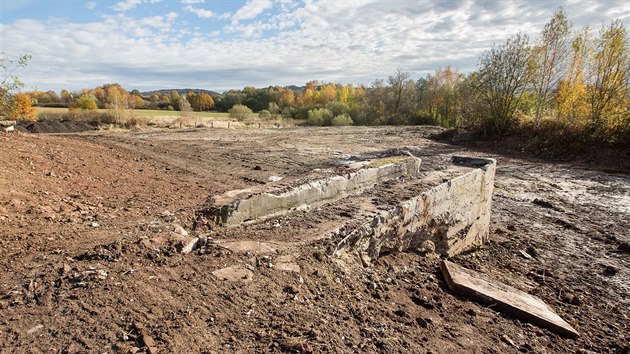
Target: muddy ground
86 265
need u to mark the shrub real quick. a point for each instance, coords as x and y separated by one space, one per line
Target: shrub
239 112
264 114
341 120
85 102
319 117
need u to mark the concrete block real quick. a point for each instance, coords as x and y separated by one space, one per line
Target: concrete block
454 215
511 301
234 273
235 207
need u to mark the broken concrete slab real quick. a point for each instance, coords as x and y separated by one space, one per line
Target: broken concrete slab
234 273
504 298
287 264
254 247
454 215
235 207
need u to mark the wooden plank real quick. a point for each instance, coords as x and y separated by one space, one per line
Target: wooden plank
509 300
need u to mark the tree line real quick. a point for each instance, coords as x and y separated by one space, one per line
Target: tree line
565 78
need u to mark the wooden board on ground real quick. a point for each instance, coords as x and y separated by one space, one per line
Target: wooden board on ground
506 299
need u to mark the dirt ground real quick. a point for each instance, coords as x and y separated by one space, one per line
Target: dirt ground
87 267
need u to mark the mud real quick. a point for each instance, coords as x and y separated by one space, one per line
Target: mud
80 274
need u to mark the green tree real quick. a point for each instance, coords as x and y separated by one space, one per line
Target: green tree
504 73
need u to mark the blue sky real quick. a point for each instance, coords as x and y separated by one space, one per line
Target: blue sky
218 45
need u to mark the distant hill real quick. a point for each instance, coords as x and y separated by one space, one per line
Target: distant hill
180 91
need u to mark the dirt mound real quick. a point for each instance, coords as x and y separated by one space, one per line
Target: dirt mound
56 127
586 151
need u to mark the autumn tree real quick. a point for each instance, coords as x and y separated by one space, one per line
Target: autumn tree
22 109
504 73
571 95
10 82
549 61
85 103
608 91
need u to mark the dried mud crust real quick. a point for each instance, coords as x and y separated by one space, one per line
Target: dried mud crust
82 270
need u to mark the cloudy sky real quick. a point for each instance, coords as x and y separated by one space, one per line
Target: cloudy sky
218 45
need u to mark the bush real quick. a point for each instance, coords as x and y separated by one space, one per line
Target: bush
239 112
341 120
319 117
85 102
264 114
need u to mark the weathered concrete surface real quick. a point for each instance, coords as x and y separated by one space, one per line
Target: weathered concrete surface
454 215
235 207
504 298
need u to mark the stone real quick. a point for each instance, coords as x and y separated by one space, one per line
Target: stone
179 230
504 298
234 273
275 179
35 329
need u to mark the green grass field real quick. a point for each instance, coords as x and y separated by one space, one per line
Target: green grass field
145 113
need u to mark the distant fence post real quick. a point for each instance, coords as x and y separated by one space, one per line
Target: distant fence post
228 124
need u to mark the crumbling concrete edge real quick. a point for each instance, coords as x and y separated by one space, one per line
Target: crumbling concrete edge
454 215
312 194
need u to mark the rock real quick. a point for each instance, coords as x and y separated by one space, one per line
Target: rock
148 341
35 329
187 245
291 289
257 168
504 298
95 224
471 312
275 178
179 230
427 247
234 273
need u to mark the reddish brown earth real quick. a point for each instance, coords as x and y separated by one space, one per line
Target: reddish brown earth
87 267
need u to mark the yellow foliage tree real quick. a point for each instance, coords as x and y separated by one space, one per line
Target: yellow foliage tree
571 98
22 109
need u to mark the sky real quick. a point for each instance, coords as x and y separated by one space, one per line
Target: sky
229 44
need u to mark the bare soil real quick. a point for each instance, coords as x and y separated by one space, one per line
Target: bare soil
87 266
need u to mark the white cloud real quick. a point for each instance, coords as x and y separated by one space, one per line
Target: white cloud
356 42
191 2
201 13
127 5
251 9
171 16
90 5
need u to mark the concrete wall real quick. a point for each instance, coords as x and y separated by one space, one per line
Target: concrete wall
454 216
312 194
